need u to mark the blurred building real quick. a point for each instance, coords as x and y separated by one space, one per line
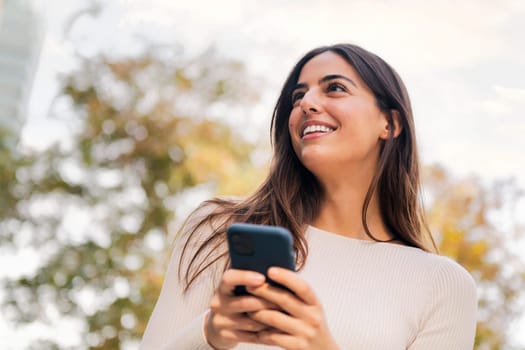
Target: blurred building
21 34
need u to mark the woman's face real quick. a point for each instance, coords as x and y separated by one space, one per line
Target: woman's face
335 123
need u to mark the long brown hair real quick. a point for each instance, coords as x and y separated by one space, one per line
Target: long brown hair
282 199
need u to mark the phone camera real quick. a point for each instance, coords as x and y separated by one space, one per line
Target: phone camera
242 244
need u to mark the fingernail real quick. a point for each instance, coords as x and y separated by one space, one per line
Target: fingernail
257 278
274 271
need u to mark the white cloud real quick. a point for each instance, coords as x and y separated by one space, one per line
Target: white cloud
423 40
419 35
504 110
512 95
479 132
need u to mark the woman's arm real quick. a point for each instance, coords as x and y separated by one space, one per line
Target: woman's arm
180 320
178 317
450 319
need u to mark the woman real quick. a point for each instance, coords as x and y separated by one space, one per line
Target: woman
345 181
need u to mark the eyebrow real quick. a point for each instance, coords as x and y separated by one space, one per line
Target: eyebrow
336 76
325 79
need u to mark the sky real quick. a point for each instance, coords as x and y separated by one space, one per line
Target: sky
463 62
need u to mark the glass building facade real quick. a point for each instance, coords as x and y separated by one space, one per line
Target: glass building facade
21 34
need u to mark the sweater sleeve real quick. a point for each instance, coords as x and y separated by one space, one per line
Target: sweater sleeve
177 321
450 320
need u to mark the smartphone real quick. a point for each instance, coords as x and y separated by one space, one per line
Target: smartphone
258 247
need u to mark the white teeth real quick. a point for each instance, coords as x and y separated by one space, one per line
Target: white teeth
316 128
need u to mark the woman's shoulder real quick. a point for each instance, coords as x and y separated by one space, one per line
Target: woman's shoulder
208 215
441 268
386 254
440 279
443 271
448 272
200 241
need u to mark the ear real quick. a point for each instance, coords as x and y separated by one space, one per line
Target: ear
396 120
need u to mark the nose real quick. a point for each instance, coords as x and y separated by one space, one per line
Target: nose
310 102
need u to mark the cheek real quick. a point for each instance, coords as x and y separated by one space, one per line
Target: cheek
293 125
292 122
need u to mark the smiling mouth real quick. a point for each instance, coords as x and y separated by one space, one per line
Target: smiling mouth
316 129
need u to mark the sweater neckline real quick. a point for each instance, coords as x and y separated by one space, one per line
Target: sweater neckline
324 234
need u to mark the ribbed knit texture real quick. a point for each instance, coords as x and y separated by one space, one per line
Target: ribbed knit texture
376 296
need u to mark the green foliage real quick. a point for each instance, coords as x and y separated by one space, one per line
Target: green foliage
7 173
103 207
10 193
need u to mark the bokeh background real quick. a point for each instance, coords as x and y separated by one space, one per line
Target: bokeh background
118 117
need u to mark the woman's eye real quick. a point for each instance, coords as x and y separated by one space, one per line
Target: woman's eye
297 96
335 87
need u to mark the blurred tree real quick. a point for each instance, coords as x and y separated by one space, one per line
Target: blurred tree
478 226
9 162
102 205
6 173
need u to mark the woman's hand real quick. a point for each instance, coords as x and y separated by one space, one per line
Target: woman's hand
303 326
228 322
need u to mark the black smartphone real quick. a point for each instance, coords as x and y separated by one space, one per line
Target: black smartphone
258 247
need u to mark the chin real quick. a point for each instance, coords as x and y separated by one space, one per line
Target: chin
315 165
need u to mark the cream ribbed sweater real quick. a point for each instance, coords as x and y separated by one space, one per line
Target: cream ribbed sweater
376 296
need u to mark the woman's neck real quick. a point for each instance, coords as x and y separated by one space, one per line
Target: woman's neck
341 213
